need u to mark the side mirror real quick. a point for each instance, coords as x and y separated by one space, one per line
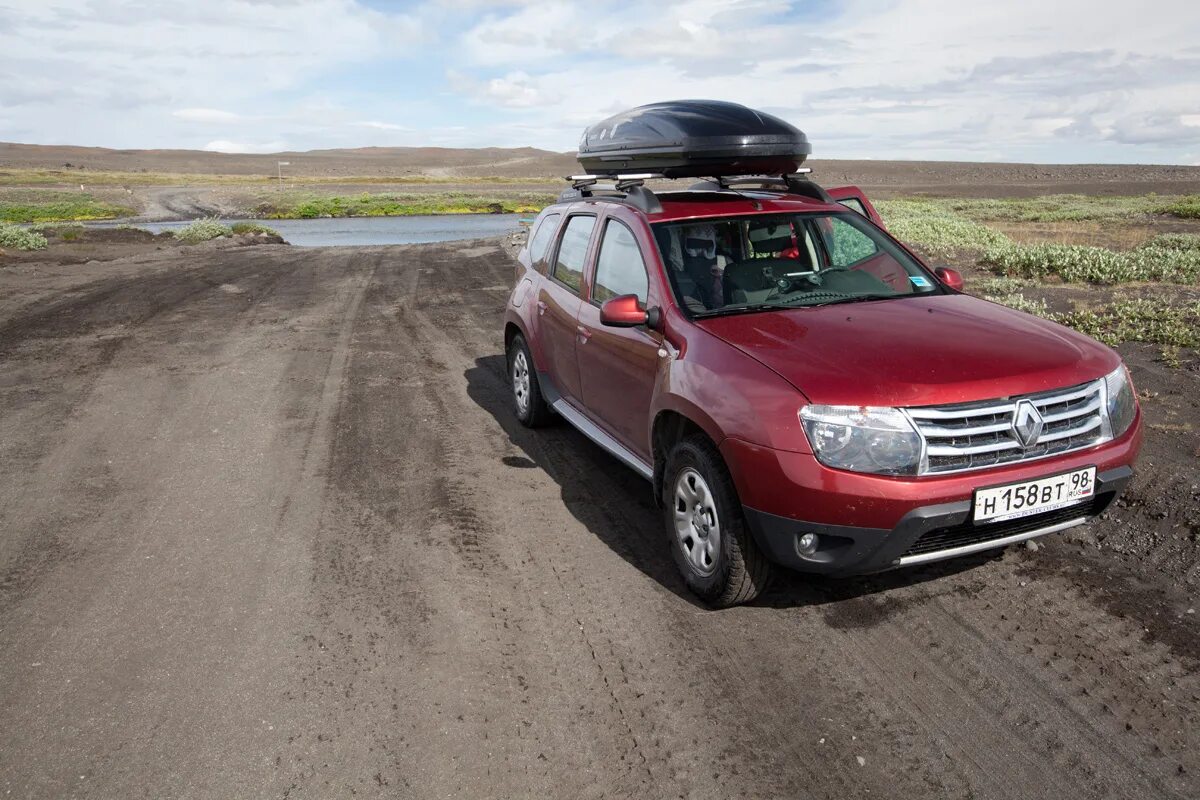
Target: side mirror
951 278
623 312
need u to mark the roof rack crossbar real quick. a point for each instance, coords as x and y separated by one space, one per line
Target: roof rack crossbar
624 189
796 182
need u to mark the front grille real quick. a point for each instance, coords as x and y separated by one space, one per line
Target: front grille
969 533
977 435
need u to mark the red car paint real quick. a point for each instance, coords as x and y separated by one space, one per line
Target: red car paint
741 379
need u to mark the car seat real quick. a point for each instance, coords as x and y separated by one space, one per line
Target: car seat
750 281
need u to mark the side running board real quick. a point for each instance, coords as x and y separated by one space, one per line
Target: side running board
597 435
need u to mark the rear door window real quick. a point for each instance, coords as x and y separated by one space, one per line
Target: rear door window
620 267
572 250
541 239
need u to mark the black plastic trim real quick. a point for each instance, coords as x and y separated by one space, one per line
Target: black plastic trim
849 550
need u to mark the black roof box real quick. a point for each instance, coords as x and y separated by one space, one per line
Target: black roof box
693 138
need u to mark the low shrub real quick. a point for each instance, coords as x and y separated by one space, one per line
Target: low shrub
1185 207
1153 321
202 230
1082 264
252 227
936 230
1139 320
19 238
1175 241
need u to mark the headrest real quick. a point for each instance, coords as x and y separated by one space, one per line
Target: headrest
773 238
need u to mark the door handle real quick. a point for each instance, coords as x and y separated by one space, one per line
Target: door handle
541 307
583 332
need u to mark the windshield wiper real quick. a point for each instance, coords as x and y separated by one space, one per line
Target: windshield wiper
858 298
747 309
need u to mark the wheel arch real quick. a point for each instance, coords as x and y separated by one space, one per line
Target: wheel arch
671 426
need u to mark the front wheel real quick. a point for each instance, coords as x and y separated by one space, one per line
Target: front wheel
712 547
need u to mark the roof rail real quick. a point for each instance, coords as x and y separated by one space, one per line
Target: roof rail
623 189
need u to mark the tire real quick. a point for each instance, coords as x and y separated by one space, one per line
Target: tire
731 570
528 402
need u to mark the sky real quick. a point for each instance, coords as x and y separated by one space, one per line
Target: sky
1054 81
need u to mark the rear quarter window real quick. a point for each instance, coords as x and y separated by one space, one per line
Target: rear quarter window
541 240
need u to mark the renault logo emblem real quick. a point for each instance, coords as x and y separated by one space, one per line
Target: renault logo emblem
1027 423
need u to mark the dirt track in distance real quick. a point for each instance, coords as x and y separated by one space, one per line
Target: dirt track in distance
268 529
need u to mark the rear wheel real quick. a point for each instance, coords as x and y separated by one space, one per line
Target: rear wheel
530 406
712 547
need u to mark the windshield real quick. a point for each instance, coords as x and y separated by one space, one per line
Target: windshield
760 262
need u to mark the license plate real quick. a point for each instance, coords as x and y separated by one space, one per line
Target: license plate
1023 499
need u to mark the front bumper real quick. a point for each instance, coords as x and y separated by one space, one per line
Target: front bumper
928 533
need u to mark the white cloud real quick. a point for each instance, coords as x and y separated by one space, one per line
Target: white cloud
1020 80
513 90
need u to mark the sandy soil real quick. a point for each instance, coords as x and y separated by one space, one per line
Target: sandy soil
269 529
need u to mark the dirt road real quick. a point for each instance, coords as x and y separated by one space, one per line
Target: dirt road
268 529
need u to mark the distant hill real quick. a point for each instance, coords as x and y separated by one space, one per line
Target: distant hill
884 178
519 162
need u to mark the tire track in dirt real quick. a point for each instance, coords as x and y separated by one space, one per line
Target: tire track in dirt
365 577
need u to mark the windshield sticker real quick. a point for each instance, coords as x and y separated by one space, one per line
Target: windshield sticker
919 280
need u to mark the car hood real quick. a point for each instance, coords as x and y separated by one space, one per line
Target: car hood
914 351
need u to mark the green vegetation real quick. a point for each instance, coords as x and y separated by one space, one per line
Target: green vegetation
1185 208
940 228
19 238
953 227
1140 320
1079 264
935 228
44 206
252 227
386 204
1050 208
201 231
1155 321
1176 241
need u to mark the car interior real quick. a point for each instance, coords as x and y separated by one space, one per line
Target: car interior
758 260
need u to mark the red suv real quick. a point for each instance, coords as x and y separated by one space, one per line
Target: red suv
800 388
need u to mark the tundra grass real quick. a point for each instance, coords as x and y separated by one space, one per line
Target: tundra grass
57 206
935 228
387 204
939 230
1054 208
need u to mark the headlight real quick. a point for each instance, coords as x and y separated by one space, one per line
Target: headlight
862 439
1121 405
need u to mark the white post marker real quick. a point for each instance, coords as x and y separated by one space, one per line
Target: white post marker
283 164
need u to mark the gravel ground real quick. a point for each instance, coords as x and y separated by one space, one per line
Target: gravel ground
268 529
